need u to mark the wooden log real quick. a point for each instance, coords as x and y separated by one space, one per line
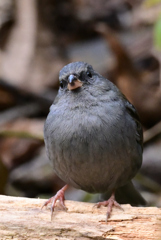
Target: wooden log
22 218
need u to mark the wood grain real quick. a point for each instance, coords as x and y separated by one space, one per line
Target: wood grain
22 218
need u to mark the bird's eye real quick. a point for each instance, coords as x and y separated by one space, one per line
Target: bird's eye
61 84
89 74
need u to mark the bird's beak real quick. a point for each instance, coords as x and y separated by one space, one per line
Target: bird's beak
73 82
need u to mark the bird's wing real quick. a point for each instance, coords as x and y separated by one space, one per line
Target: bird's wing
133 113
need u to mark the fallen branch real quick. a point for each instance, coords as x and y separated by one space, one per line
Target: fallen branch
22 218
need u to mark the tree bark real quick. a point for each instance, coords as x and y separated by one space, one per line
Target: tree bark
22 218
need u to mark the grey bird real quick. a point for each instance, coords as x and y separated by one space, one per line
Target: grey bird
93 136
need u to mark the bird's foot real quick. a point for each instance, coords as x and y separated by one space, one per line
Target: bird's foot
109 203
59 196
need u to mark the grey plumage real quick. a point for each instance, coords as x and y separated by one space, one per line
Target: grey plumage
92 134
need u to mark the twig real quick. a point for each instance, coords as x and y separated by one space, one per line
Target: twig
20 134
44 99
148 183
152 132
24 110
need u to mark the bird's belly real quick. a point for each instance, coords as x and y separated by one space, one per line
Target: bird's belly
93 165
89 177
92 154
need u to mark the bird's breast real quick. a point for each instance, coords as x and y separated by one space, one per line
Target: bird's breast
88 147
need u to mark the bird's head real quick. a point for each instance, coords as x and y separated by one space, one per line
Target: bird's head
75 75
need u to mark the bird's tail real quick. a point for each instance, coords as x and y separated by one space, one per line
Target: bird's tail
127 194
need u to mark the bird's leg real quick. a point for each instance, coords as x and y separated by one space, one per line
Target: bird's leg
109 203
59 196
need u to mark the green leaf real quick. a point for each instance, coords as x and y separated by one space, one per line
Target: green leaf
151 3
157 34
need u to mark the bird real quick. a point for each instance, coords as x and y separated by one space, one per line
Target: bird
93 136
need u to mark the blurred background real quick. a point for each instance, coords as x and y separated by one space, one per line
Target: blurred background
120 38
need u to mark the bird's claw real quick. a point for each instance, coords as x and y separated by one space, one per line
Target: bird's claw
109 204
59 196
